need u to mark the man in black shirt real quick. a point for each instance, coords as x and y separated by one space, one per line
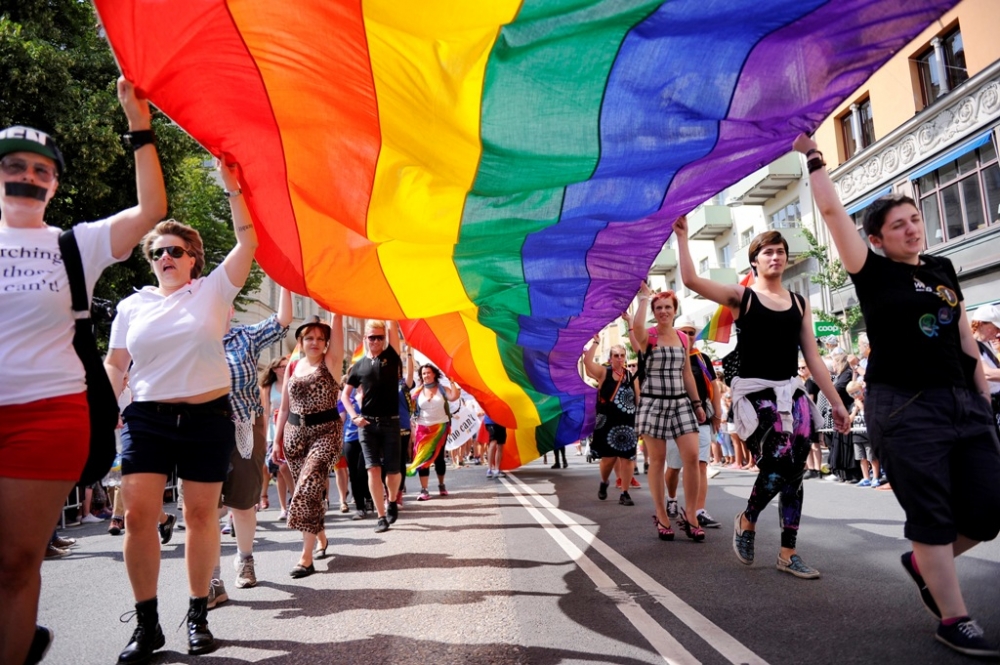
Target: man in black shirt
377 375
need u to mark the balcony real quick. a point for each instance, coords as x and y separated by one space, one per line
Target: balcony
763 184
708 222
664 262
720 275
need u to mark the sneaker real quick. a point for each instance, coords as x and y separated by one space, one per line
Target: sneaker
40 644
217 594
865 483
672 510
966 637
499 474
712 471
876 482
625 499
925 593
442 491
634 483
361 514
705 521
489 473
424 495
382 526
795 566
743 542
246 576
90 519
64 543
167 529
602 491
283 515
117 526
227 529
392 512
618 483
53 552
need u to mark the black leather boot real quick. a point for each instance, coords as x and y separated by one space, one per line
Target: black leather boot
147 636
200 638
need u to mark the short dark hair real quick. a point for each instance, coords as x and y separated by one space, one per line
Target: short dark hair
877 212
764 239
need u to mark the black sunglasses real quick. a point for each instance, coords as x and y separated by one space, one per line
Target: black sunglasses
174 251
376 338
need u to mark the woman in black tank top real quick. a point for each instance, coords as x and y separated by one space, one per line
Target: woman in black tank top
771 411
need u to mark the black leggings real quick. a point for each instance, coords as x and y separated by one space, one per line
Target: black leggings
439 466
357 473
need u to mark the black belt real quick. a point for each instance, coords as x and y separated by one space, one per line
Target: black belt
654 396
310 419
379 419
217 407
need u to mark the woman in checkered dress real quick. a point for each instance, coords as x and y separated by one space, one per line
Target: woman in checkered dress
669 408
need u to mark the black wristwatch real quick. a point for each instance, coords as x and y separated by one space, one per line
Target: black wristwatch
138 138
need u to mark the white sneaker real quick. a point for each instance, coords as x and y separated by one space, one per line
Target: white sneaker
489 473
91 519
713 471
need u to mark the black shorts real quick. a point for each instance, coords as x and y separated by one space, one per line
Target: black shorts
498 433
380 444
940 451
196 439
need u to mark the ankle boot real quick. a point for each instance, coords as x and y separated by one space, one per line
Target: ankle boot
147 636
200 639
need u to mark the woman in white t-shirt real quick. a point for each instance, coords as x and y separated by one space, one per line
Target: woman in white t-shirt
180 414
434 405
44 419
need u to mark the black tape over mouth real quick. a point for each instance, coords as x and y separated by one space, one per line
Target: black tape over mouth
25 189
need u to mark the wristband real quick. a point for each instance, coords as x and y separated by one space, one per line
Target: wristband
138 138
815 164
811 151
231 195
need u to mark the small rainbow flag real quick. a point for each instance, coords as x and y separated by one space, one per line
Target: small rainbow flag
720 326
359 353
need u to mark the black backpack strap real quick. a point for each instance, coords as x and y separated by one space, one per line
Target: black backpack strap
74 272
800 303
745 300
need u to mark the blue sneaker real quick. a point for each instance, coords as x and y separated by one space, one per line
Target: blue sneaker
876 482
797 567
743 542
966 637
865 483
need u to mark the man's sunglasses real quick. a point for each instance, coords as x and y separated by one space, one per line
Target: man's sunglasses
376 338
15 166
174 251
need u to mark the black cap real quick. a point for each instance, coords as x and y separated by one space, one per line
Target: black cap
25 139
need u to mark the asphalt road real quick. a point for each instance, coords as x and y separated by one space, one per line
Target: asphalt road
535 569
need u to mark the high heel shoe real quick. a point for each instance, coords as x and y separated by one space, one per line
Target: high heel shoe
692 531
663 531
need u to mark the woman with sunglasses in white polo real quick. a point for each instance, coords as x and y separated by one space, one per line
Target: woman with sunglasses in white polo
44 418
180 417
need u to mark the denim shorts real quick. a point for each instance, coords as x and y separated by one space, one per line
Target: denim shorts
704 448
380 444
940 451
196 439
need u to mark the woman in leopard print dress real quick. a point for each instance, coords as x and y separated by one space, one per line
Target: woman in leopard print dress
310 433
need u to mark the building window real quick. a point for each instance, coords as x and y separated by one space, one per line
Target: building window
961 196
673 285
703 266
299 307
788 217
272 295
935 80
724 256
857 128
746 238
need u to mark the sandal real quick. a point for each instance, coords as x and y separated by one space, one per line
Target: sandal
664 532
692 531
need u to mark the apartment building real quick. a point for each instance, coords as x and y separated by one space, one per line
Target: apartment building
924 125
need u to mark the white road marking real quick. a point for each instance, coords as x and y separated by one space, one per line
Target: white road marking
731 649
664 643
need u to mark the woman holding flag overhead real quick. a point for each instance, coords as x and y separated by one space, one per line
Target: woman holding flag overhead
771 410
434 405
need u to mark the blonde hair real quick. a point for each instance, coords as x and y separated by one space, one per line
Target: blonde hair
374 324
190 236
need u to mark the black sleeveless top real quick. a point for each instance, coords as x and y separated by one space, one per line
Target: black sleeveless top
768 340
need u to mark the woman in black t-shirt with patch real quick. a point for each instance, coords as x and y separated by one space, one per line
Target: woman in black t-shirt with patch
929 422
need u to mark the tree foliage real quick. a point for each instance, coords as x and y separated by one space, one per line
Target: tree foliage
832 275
59 76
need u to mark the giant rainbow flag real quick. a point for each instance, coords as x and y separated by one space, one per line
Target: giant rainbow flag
497 174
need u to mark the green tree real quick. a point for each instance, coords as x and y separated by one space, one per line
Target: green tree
59 76
832 275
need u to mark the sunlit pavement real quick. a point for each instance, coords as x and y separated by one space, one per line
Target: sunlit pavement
535 569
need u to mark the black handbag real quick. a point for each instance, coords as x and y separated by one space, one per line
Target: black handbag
101 399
